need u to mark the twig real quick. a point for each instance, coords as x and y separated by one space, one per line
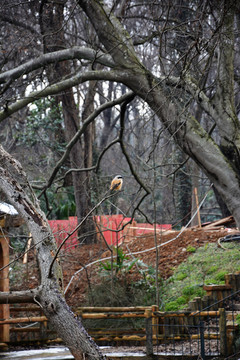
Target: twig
79 133
106 196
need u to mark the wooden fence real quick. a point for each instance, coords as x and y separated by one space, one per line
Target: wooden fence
214 329
209 321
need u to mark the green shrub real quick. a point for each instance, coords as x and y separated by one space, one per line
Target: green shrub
182 300
193 291
191 249
212 269
180 276
220 276
172 306
189 290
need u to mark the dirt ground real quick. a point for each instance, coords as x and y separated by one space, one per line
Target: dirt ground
170 256
81 275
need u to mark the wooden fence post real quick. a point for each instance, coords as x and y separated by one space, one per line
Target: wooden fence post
149 333
223 332
155 323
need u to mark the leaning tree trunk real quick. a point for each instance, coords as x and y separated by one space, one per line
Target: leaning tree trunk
49 295
220 163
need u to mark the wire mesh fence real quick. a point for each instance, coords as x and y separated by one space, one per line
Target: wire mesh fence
211 331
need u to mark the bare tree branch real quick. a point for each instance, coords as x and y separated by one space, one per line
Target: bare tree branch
81 131
124 150
76 52
105 197
58 88
13 297
94 167
17 23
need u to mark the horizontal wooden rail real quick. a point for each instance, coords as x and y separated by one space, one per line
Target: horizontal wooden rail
25 329
207 336
118 337
212 313
186 314
103 309
116 331
111 316
23 320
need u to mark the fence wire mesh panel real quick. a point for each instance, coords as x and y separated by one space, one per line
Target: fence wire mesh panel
187 335
211 331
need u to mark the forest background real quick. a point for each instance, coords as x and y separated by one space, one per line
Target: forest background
91 89
167 39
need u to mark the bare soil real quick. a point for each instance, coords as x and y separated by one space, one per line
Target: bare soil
169 255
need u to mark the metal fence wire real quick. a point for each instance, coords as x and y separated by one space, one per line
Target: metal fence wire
211 331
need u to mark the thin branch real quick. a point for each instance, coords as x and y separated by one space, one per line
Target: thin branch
81 131
94 167
106 196
122 116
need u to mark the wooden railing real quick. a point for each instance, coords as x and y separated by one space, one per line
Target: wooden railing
114 333
157 328
28 324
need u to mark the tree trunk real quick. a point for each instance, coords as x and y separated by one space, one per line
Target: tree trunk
50 293
52 17
220 166
88 108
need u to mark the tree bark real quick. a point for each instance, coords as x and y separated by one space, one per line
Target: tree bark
220 160
49 295
218 165
14 297
52 17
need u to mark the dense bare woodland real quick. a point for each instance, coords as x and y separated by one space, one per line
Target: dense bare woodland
90 89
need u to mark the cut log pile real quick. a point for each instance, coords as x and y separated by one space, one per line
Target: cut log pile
217 225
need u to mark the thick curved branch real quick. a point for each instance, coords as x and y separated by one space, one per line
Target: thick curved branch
76 52
28 207
13 297
111 33
190 85
202 99
20 24
49 296
58 88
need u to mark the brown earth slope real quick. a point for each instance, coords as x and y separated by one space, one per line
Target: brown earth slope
76 262
170 256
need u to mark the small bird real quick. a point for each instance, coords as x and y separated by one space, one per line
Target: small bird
116 183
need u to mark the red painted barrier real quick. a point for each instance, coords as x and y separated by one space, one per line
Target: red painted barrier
61 229
110 227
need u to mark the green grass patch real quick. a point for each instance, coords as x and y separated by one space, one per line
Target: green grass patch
191 249
181 276
206 265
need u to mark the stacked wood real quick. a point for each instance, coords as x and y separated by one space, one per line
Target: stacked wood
216 225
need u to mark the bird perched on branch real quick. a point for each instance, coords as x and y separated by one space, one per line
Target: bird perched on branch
116 183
